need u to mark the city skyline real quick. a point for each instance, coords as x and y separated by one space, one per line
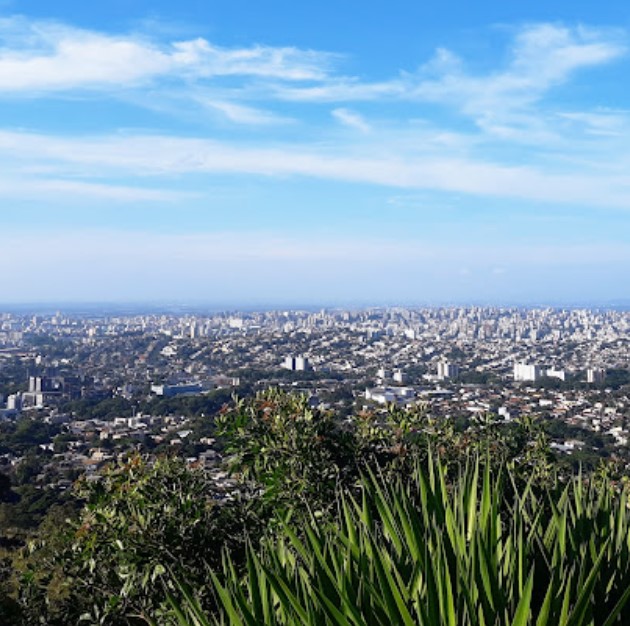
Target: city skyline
279 155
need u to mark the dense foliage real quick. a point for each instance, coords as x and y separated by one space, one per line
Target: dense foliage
384 516
430 549
139 520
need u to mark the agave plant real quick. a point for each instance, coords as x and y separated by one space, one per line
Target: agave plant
477 549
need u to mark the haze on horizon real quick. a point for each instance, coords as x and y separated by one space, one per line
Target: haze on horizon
270 153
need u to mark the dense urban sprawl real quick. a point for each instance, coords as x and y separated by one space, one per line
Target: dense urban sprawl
87 388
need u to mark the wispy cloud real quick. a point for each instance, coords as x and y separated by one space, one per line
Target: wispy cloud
41 57
542 57
154 155
351 119
344 89
48 189
243 114
506 104
44 57
601 122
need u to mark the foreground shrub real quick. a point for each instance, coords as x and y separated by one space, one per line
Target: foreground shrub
484 549
137 521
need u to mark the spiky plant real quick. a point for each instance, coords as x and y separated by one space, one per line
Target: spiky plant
479 549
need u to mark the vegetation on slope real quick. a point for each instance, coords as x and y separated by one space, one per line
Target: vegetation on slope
390 517
480 548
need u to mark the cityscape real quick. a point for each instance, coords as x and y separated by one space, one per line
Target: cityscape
569 367
314 313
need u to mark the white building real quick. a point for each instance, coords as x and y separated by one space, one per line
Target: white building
302 364
595 375
14 402
387 395
447 370
526 372
553 373
399 376
296 363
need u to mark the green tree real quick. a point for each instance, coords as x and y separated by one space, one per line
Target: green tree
139 520
296 453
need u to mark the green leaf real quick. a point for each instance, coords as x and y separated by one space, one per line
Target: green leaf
521 617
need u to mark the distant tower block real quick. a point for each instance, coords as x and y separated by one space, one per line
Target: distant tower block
296 363
595 376
526 372
302 364
554 373
446 370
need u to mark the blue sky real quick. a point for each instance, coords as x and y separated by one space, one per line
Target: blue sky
242 152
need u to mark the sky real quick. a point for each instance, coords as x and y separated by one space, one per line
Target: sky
246 153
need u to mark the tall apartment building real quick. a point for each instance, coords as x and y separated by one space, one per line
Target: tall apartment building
447 370
296 363
595 376
526 372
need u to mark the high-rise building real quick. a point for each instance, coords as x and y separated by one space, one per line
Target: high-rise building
302 364
526 372
14 402
595 376
554 373
399 376
296 363
447 370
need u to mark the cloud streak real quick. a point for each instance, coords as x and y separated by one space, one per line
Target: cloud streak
352 120
542 56
47 189
39 57
155 155
242 114
501 102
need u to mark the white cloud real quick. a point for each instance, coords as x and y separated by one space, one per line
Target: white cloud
352 120
343 89
600 122
241 114
543 57
44 188
45 56
505 104
41 57
142 155
502 102
548 53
